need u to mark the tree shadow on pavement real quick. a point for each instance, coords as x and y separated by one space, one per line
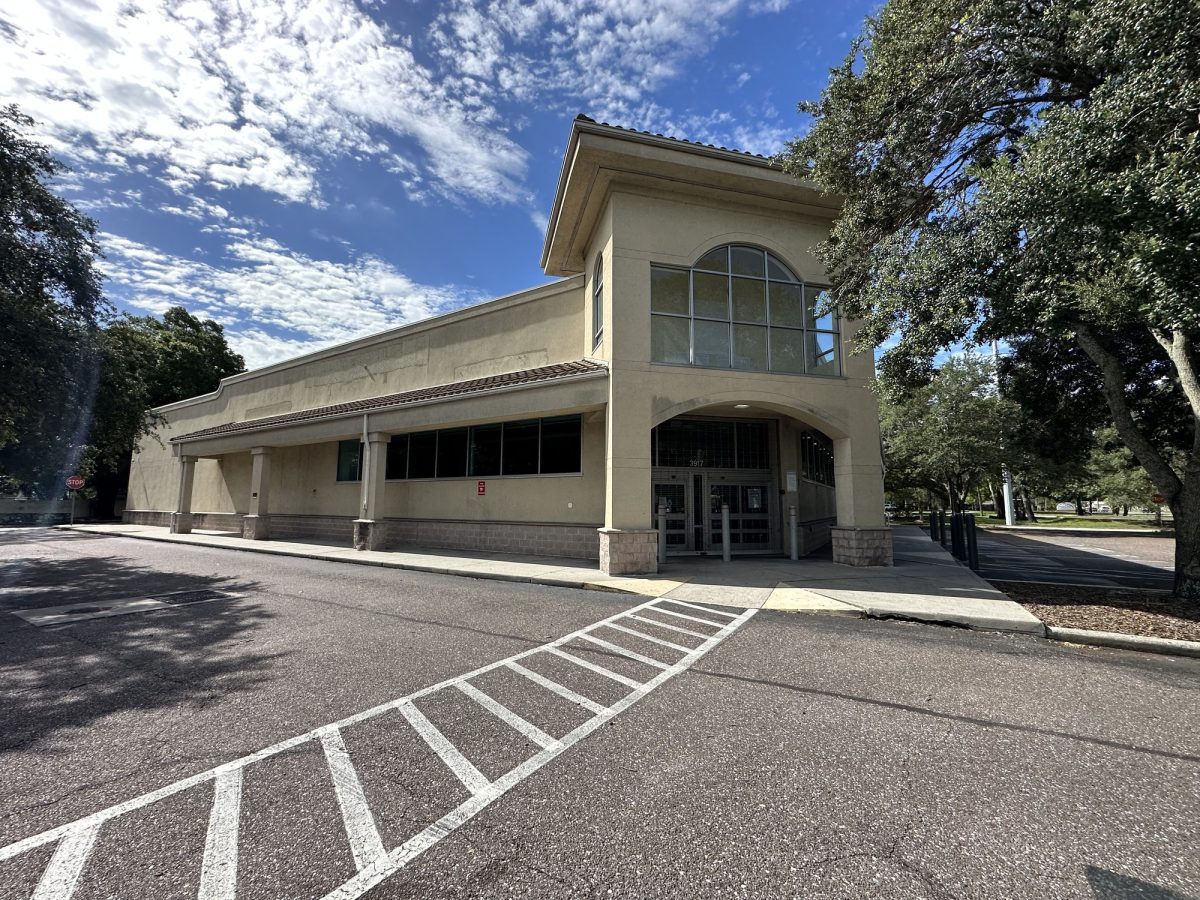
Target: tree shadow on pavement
1108 885
70 676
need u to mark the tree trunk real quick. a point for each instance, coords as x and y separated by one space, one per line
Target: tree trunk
1186 510
1029 511
1078 507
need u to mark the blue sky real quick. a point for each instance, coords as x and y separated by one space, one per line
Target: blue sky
309 171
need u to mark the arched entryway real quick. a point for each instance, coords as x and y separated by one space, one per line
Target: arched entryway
760 463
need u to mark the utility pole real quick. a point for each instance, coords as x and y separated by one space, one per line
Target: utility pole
1006 475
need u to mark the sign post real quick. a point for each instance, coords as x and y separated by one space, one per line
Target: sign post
1158 502
74 483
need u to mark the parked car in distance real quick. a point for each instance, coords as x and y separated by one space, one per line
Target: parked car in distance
1104 509
1065 507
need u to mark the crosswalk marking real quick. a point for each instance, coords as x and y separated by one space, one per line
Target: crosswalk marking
218 873
679 615
366 846
707 609
506 715
676 628
69 863
592 667
607 645
463 768
62 874
648 637
565 692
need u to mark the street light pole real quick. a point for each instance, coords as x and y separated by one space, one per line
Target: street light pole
1006 475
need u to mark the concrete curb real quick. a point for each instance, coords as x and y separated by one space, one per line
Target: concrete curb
1167 646
383 564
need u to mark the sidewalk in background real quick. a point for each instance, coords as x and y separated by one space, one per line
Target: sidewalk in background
926 584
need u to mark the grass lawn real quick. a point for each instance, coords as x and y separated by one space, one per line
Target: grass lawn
1099 523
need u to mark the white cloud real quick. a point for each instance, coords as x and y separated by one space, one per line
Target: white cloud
228 94
274 302
611 56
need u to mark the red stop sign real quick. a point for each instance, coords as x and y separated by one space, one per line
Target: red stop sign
1158 499
75 482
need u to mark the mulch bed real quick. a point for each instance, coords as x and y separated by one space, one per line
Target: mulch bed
1145 613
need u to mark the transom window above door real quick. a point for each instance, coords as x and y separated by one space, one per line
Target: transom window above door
740 307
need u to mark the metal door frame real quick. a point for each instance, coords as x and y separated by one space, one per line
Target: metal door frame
698 522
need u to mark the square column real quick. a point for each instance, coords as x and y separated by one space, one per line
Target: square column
370 531
181 519
861 536
628 540
257 525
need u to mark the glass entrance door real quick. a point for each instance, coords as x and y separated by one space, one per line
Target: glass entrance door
750 516
677 496
693 500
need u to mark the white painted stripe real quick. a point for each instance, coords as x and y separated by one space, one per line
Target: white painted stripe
506 715
707 609
59 880
616 648
463 768
218 874
564 692
650 638
679 615
366 846
676 628
414 847
53 834
591 666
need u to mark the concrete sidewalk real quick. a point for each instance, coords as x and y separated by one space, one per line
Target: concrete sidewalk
926 584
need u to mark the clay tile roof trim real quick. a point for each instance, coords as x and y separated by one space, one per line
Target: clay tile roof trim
677 140
509 380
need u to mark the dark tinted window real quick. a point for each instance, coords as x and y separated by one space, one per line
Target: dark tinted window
452 453
422 454
397 456
349 464
521 448
561 444
753 450
485 449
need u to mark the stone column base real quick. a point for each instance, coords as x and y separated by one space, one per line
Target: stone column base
181 523
369 534
628 552
256 528
862 546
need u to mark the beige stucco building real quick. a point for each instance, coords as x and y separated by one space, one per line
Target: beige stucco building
683 359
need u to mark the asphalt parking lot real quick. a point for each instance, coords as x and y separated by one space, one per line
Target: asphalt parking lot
313 729
1113 561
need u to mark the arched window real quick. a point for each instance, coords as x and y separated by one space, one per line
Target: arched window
740 307
598 301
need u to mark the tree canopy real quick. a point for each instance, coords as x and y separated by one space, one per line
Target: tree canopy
948 434
77 382
1028 168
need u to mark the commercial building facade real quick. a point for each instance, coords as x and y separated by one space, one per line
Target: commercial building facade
686 358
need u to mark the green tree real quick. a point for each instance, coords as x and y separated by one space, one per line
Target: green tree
948 434
50 308
146 363
1027 167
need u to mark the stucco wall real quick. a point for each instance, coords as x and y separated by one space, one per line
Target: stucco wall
538 327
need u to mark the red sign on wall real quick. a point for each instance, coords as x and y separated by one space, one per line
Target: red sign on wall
480 488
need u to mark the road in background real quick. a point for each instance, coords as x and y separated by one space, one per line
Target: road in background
800 756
